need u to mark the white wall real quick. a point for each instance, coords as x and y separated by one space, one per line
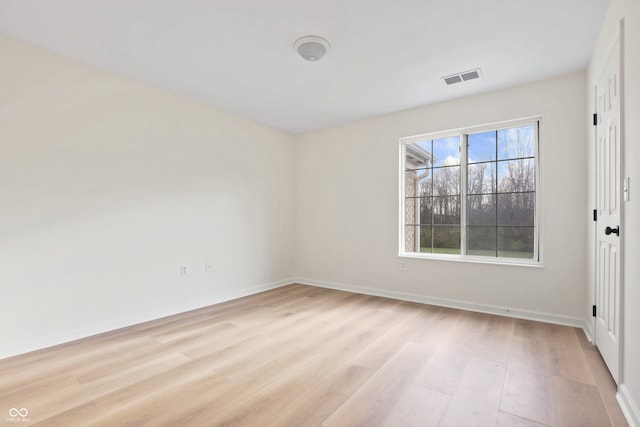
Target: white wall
108 186
629 11
347 206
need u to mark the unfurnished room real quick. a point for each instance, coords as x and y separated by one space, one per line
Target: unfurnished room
338 213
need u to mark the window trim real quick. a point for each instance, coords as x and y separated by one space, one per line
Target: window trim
537 260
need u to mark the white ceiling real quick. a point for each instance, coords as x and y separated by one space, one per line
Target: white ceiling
385 56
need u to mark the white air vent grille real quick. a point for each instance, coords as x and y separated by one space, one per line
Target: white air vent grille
470 75
461 77
453 79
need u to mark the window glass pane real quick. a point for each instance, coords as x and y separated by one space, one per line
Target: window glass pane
482 147
426 210
410 211
516 143
516 209
446 151
417 210
446 239
481 241
410 242
481 210
426 235
410 183
446 210
515 242
421 174
418 239
516 176
417 183
418 155
425 183
446 181
481 178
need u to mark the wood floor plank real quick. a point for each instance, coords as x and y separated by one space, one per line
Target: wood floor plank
564 351
389 342
506 419
577 404
312 405
372 402
476 400
443 370
306 356
75 396
527 395
606 385
529 354
437 325
566 356
417 405
488 337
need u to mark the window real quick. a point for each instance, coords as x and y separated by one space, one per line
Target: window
472 194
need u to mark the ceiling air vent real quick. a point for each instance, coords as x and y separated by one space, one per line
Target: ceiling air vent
452 79
461 77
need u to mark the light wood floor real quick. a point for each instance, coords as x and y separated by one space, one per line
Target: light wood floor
304 356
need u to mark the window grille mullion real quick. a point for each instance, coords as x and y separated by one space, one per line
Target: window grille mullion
464 144
496 191
537 199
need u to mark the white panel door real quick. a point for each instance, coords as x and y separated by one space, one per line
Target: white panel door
608 210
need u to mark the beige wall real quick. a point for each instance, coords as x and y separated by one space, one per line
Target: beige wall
629 12
347 206
108 186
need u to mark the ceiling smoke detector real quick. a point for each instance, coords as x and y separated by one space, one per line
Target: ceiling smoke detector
461 77
311 48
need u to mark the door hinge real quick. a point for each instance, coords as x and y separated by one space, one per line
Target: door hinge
595 119
595 214
593 311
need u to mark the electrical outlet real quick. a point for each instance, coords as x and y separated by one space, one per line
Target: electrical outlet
208 266
183 270
403 265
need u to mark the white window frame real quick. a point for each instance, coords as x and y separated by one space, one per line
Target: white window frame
463 133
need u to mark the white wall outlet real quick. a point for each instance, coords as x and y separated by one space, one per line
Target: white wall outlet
403 265
208 266
183 270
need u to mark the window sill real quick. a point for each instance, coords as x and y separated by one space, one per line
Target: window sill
475 260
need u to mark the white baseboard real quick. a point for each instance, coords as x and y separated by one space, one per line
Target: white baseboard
575 322
628 405
33 344
587 332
